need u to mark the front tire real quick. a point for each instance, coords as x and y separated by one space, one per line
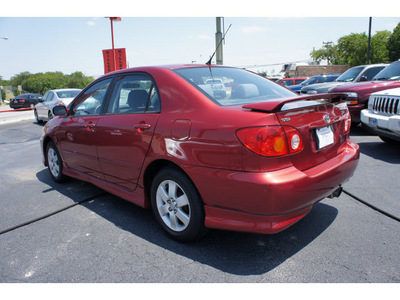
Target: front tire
54 163
177 205
37 117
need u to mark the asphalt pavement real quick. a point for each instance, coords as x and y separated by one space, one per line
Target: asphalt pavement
75 232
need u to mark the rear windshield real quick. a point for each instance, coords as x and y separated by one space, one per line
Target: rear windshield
230 86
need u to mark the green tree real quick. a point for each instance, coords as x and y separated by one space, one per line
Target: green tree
393 44
328 53
379 50
16 80
352 49
42 82
78 80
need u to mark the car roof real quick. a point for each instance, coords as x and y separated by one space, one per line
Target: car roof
164 67
60 90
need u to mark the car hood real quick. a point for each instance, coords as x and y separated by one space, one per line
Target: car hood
322 86
391 92
365 86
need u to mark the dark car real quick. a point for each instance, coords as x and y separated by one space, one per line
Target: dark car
358 93
352 75
313 80
25 101
255 160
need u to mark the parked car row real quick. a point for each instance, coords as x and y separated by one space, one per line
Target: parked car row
359 93
355 74
317 80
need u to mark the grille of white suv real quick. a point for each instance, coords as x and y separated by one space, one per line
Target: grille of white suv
386 105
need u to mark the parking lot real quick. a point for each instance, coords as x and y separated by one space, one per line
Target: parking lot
75 232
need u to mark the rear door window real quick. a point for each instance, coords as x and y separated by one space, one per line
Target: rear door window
134 93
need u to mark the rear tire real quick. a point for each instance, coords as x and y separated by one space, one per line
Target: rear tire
177 205
54 163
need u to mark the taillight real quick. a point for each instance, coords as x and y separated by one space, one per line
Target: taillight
294 139
271 140
347 124
22 100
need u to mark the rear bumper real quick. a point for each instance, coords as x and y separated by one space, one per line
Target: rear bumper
19 105
386 126
269 202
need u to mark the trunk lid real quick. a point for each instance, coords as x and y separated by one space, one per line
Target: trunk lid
320 120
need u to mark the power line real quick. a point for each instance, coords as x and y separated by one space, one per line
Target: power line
275 64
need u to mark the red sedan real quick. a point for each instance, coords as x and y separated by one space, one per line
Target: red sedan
255 158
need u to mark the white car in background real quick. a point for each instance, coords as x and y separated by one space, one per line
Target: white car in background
383 115
44 110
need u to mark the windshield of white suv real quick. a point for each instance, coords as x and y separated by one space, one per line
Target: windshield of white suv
238 87
350 74
391 72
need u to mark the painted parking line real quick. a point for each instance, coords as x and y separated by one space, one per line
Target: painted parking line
16 109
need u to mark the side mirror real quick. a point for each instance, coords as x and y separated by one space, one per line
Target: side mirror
60 110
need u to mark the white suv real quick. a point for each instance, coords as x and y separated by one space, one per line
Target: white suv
383 115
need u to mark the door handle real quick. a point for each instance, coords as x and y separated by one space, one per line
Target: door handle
142 126
90 125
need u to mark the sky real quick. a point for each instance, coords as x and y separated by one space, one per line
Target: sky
262 36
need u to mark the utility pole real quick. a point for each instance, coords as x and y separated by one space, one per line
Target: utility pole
218 40
113 19
369 40
326 45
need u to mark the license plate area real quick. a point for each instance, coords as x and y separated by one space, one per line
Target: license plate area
324 137
373 122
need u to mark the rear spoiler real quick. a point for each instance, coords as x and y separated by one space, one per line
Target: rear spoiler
276 105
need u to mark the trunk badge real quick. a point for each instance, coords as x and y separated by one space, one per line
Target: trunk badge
286 119
327 119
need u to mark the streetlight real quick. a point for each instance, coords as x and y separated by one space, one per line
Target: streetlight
113 19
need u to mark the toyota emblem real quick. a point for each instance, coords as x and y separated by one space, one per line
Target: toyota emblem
327 119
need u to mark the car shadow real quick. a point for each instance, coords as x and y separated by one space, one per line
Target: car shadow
359 130
375 147
381 151
231 252
41 124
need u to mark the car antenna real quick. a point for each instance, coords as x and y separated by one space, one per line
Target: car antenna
219 44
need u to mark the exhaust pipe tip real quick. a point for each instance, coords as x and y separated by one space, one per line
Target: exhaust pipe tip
336 193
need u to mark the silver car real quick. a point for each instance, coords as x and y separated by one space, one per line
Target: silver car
44 110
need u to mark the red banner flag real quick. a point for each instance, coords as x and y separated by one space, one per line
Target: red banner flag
110 64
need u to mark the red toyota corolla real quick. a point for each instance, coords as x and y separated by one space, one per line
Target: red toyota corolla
204 146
